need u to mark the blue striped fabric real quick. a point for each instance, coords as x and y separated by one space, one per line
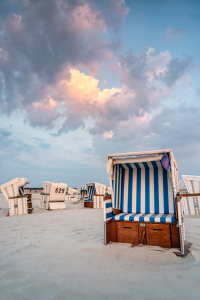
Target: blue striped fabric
86 199
108 210
90 192
21 191
143 188
83 193
140 217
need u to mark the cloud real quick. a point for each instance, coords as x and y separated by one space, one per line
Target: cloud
138 73
108 134
44 40
182 136
175 70
82 98
113 67
4 133
148 79
114 12
43 49
174 34
40 67
29 151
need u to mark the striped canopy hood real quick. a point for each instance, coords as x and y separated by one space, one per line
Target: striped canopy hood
142 182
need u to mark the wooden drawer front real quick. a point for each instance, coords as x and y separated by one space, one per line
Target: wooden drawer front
158 235
127 232
29 204
88 204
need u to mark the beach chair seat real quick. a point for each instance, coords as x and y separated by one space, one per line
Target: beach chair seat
146 217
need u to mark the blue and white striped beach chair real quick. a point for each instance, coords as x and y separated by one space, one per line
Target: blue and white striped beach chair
95 194
83 191
144 187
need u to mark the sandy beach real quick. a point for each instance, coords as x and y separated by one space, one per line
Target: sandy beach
61 255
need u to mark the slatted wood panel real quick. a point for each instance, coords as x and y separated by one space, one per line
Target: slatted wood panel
158 235
127 232
148 233
88 204
29 203
113 232
175 236
108 230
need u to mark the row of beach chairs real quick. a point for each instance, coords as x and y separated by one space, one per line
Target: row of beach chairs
144 204
53 196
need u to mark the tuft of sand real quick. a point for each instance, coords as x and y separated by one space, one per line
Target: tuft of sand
58 255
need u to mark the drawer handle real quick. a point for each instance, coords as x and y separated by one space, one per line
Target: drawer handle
157 229
128 227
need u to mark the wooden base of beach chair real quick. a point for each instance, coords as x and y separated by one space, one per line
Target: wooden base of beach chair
29 203
30 207
158 235
165 235
127 233
175 236
88 204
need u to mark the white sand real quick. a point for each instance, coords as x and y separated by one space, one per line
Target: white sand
60 255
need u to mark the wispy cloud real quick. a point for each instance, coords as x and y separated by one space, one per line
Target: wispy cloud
174 34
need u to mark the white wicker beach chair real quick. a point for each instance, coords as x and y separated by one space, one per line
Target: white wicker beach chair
53 196
13 191
189 187
95 195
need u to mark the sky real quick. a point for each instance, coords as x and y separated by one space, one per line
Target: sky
80 79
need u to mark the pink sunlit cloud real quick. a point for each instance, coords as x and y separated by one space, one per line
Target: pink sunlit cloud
113 67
